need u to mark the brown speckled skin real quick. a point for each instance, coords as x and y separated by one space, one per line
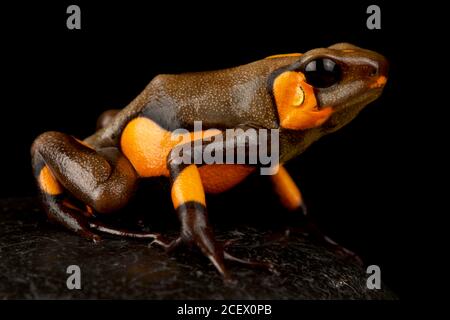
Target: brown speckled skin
220 99
243 95
103 178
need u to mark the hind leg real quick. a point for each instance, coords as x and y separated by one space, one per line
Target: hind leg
77 181
106 117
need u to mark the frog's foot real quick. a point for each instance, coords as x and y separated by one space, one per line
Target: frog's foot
265 265
122 232
343 252
65 212
168 246
204 240
171 246
300 221
308 227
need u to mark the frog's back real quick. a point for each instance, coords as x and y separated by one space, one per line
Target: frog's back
220 99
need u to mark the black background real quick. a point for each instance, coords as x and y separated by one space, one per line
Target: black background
60 79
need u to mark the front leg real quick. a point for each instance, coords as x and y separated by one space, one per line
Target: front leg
292 199
188 198
288 192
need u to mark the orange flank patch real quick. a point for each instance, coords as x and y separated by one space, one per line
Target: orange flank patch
147 146
284 55
48 182
218 178
188 187
296 102
286 189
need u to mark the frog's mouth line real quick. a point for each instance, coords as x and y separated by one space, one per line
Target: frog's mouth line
372 93
343 114
366 98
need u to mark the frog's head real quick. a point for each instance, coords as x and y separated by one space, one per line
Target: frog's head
327 87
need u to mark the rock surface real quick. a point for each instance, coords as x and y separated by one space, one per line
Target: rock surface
35 254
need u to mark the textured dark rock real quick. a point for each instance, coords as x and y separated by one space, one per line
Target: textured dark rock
34 255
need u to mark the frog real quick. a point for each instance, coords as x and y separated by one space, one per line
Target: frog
302 96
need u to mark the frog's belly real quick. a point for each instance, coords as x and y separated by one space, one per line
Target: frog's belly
147 146
217 178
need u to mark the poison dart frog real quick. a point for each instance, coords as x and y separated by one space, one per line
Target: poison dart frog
304 96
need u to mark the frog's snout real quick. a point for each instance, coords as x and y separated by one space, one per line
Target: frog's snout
367 64
379 71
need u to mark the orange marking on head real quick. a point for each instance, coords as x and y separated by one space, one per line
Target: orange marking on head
296 102
283 55
287 190
381 81
188 187
48 183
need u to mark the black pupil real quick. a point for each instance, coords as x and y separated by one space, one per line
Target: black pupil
322 73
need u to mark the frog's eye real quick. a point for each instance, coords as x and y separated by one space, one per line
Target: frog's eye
322 73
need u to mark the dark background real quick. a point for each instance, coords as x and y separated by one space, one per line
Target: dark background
60 79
